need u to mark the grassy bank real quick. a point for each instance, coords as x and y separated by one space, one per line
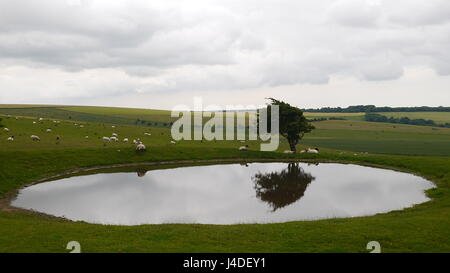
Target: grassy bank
421 150
423 228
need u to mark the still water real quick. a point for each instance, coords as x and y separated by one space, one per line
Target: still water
227 194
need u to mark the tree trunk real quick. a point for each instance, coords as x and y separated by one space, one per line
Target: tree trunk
292 146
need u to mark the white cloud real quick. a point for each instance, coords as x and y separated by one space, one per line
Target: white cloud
111 48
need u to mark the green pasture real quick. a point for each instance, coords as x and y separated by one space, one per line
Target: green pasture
418 149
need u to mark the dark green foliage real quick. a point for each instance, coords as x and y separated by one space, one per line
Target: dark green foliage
293 124
403 120
373 108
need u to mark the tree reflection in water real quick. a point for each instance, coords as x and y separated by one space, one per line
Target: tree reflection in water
280 189
141 172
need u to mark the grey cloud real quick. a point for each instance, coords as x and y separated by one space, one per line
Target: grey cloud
418 12
156 46
355 13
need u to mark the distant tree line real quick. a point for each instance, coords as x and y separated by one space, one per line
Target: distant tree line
373 108
324 119
403 120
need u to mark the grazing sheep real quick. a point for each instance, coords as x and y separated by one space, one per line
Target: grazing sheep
134 141
49 130
113 126
6 129
41 119
243 148
81 126
141 148
312 150
173 142
113 138
34 122
35 138
86 137
125 140
115 135
106 139
11 138
288 152
147 134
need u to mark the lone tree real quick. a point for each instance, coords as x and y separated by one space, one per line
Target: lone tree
292 122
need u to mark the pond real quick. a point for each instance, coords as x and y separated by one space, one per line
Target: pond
227 194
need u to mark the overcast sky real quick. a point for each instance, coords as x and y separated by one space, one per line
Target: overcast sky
160 53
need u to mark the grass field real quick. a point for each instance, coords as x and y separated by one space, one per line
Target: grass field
437 117
422 150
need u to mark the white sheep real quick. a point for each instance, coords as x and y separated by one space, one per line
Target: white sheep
106 139
35 138
135 141
41 119
173 142
113 138
34 122
311 151
49 130
86 137
243 148
141 148
113 126
81 126
147 134
115 135
11 138
125 140
288 152
6 129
